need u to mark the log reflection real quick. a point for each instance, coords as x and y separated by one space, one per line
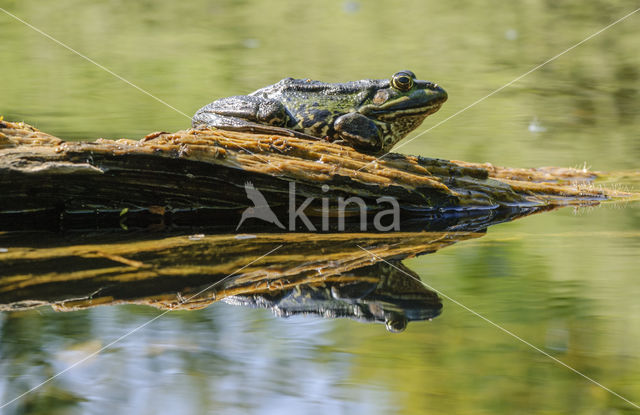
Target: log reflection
322 274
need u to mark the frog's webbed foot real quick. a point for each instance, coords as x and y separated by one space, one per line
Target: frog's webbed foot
359 132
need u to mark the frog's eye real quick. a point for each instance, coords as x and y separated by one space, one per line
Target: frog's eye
407 72
402 81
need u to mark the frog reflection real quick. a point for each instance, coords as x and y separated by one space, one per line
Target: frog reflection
387 293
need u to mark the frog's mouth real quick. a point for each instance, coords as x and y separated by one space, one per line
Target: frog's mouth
408 111
422 102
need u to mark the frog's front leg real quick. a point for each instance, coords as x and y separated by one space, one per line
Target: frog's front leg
241 111
359 132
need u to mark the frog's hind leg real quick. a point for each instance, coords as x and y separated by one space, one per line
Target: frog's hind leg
235 111
248 114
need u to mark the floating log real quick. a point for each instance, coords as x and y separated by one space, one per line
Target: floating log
196 177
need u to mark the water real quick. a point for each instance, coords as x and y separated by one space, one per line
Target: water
565 281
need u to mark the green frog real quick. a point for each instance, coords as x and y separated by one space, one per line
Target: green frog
370 115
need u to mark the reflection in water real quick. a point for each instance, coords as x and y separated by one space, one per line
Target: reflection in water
328 275
381 293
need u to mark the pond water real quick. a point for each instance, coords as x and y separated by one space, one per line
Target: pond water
565 281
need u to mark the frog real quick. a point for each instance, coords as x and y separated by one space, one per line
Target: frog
369 115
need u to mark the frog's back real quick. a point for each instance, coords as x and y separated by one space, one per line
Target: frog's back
306 92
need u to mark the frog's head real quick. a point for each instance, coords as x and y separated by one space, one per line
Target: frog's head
401 104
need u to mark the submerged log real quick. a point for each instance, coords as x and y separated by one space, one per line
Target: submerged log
195 177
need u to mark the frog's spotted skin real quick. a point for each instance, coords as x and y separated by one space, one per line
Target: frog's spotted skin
369 115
